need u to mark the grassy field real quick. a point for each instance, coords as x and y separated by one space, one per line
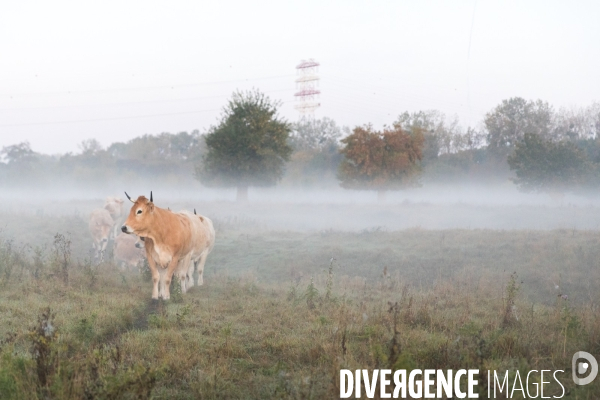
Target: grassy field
281 312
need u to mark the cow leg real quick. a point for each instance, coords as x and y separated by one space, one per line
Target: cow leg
201 267
98 252
155 277
161 283
182 282
114 233
103 244
189 263
170 270
181 272
95 247
189 276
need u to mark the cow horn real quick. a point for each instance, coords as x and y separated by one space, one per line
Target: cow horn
129 197
195 212
151 201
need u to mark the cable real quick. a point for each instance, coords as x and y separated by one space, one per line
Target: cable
111 119
104 119
148 87
133 102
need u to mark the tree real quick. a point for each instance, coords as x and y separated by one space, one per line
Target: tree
381 161
442 135
512 119
21 160
160 149
248 147
315 134
577 123
90 147
20 153
431 124
316 155
545 166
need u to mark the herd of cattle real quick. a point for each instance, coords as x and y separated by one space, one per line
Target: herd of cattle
174 243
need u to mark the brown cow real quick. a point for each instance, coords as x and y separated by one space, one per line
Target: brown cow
100 226
128 251
170 245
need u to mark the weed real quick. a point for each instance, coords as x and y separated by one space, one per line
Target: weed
175 291
6 260
145 271
38 261
329 282
292 292
158 321
42 337
10 338
311 294
62 257
85 328
183 314
90 271
510 316
394 352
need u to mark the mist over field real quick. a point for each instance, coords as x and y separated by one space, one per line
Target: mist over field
436 207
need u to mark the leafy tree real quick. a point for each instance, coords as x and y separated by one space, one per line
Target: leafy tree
20 153
90 147
431 124
21 162
442 135
545 166
316 155
163 148
248 147
577 123
315 134
381 161
512 119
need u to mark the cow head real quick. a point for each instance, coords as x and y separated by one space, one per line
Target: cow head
102 232
140 242
114 206
140 217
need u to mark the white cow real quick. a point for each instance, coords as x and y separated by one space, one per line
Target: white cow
114 206
204 240
128 251
101 225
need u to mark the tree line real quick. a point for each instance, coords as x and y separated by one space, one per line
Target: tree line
537 147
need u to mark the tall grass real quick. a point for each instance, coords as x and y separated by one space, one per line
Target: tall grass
400 300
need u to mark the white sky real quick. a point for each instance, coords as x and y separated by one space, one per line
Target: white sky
114 70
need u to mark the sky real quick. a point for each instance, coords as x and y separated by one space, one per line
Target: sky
114 70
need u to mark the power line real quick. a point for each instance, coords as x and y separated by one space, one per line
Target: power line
148 87
133 102
111 119
104 119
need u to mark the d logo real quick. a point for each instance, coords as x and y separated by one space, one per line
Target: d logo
581 367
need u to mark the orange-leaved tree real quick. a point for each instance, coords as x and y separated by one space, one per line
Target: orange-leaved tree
381 160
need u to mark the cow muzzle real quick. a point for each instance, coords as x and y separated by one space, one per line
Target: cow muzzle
125 229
